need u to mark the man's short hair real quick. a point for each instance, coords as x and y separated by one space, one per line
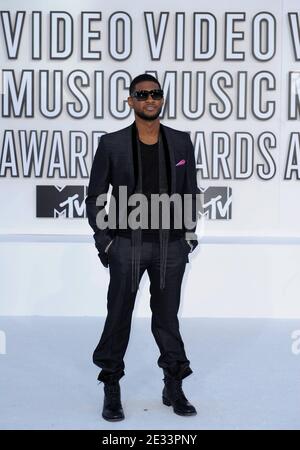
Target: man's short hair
140 78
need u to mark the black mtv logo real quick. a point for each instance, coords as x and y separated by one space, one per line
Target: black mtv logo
57 201
217 202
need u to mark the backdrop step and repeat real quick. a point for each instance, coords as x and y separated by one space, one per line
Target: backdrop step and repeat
231 77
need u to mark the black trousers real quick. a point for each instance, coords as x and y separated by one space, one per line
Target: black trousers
164 304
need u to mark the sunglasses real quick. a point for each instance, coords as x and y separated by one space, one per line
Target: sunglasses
141 96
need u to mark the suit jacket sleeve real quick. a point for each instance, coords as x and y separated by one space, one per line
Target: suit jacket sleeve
191 187
99 184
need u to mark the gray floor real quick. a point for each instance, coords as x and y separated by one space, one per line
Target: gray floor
245 375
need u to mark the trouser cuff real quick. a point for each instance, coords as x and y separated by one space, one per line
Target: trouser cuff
107 377
178 372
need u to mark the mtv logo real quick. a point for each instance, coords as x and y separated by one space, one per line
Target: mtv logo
217 202
57 201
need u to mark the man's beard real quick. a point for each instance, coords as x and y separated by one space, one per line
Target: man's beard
144 116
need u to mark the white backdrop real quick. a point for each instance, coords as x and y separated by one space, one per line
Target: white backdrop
235 92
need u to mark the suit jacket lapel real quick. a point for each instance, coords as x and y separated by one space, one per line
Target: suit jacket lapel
129 145
170 143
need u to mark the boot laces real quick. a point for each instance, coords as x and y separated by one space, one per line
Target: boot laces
112 390
174 387
178 388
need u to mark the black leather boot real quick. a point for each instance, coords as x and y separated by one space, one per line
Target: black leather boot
173 395
112 407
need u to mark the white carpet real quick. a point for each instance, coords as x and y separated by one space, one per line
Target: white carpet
245 375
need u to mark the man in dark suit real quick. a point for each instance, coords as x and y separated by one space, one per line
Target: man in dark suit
145 158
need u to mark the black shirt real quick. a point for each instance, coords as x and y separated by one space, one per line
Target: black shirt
150 165
150 180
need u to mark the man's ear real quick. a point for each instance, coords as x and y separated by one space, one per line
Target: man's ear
129 100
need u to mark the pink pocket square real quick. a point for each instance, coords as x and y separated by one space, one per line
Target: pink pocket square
181 162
